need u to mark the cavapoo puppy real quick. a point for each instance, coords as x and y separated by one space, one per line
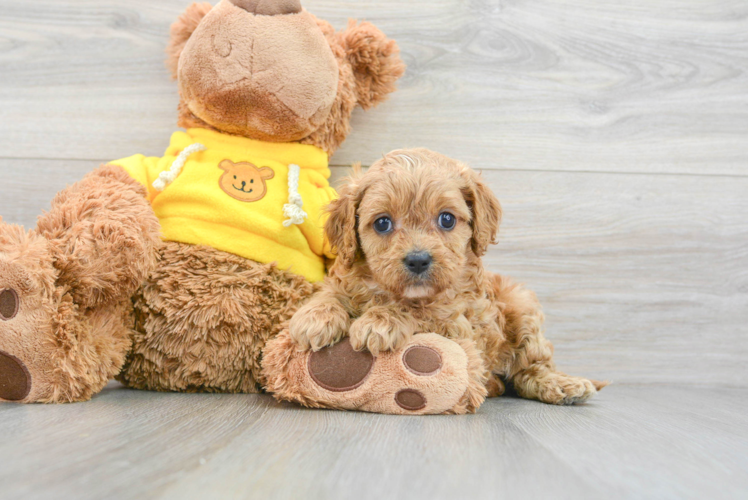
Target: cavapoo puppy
409 234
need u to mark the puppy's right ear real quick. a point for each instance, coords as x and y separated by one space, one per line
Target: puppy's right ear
486 211
181 31
341 226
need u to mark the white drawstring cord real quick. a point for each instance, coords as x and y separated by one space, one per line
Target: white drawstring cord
168 176
293 209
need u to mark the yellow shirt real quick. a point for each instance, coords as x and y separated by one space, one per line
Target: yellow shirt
230 194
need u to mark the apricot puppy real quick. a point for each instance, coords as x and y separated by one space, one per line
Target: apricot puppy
409 235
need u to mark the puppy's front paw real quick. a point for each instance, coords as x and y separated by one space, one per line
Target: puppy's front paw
562 389
318 325
378 329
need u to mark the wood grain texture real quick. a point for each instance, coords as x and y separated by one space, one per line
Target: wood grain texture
579 85
630 442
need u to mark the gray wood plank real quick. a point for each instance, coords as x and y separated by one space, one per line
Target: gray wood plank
540 85
630 442
643 277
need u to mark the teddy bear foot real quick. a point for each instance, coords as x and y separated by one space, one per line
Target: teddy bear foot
15 379
24 317
50 352
429 375
47 350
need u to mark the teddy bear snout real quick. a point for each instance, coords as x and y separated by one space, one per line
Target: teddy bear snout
267 77
269 7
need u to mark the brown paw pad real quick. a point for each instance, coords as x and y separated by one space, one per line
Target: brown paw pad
340 368
422 360
410 399
8 304
15 380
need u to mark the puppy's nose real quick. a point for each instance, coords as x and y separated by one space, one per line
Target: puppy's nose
418 262
269 7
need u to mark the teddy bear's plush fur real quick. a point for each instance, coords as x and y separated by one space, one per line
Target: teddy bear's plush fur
94 293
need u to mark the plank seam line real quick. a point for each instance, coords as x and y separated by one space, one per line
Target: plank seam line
566 171
601 172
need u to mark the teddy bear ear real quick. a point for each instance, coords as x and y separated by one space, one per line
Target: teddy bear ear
375 60
181 31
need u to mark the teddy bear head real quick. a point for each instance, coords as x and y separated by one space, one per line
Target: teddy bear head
270 70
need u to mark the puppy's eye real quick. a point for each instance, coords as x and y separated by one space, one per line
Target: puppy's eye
447 221
383 225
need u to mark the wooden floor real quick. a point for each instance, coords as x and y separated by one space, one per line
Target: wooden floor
615 134
635 441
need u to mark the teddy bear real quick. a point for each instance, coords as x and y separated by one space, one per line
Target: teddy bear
172 273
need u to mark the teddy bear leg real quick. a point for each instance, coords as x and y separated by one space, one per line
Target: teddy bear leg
429 375
65 314
29 304
202 320
50 350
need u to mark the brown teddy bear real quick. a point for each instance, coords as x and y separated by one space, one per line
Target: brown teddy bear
172 273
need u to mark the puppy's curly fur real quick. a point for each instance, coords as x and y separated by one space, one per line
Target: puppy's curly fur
375 297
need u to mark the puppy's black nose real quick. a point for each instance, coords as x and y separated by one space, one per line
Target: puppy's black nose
418 262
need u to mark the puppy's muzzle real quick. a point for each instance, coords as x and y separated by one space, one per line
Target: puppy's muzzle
418 262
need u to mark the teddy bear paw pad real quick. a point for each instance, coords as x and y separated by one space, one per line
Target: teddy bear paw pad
339 368
15 381
422 360
410 399
8 304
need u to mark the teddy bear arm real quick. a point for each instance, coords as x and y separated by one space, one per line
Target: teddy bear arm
103 236
430 374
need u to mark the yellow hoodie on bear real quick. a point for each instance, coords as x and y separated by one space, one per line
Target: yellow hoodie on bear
260 200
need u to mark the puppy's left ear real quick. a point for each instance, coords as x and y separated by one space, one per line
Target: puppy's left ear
375 60
341 226
486 211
